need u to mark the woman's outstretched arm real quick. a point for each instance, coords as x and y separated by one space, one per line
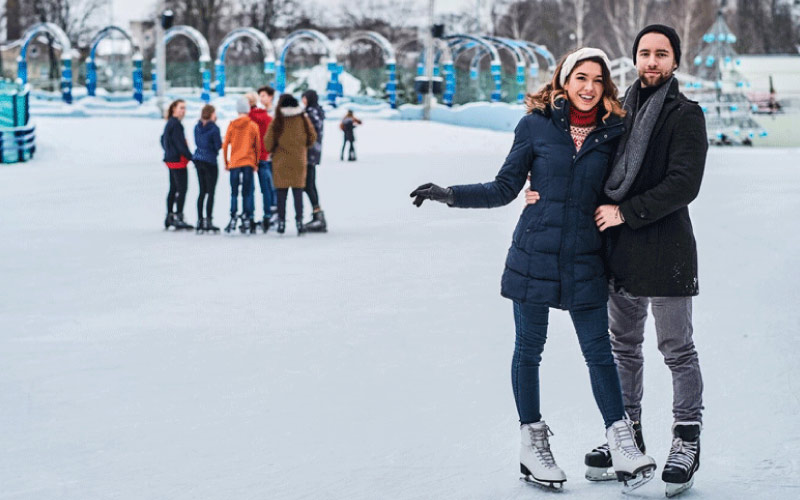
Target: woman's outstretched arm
509 180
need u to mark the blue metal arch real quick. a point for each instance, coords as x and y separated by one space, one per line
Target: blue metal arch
66 56
205 56
330 59
91 67
465 42
253 34
389 57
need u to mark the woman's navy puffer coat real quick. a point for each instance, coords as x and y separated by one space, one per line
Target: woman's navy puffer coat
556 256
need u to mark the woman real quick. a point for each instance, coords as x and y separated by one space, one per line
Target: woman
288 138
176 156
565 144
208 140
348 124
316 114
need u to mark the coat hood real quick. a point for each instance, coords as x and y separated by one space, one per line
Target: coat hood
293 111
241 123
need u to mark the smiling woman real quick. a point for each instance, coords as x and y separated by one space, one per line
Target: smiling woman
564 145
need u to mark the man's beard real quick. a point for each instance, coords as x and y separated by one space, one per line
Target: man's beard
654 80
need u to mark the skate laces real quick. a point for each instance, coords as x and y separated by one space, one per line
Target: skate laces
541 445
625 441
681 454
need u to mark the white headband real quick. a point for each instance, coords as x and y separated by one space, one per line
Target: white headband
578 56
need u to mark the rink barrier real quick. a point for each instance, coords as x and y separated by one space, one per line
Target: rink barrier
17 134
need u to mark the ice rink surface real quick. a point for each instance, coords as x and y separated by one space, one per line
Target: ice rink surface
369 362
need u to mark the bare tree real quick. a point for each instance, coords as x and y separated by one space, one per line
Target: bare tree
269 16
578 10
539 21
691 18
764 26
624 19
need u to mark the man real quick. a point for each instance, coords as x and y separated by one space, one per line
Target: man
652 255
262 119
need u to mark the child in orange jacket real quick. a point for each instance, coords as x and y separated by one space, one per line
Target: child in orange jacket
242 161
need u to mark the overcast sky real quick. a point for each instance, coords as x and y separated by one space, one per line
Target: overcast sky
127 10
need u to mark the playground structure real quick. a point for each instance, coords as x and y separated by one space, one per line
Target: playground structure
17 134
527 56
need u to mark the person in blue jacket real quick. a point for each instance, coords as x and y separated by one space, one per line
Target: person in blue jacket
565 144
176 157
208 140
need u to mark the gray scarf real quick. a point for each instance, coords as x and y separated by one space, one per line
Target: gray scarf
633 145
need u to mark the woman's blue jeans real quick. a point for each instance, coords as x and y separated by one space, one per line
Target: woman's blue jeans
591 326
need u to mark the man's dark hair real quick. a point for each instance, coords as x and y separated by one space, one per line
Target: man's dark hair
266 88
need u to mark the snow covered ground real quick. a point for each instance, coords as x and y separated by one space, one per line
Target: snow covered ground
370 362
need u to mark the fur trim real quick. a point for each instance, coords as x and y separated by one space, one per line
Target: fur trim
295 111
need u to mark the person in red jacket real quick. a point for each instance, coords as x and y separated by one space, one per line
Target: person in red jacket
262 119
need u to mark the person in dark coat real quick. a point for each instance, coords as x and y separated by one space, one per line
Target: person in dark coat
652 253
348 125
316 114
652 256
565 143
208 142
176 157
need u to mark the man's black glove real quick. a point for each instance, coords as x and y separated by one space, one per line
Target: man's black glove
432 192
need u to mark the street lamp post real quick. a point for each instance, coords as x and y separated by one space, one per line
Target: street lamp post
426 103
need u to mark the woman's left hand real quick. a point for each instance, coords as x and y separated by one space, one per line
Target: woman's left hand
607 216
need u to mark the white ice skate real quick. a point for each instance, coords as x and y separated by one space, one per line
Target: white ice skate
633 467
536 462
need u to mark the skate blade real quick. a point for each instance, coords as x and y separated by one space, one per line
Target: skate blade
552 486
675 489
636 480
600 474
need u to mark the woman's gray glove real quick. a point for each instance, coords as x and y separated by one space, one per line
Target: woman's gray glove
432 192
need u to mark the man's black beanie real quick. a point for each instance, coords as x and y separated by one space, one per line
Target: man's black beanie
668 32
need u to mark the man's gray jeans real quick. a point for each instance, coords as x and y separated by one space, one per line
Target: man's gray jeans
673 317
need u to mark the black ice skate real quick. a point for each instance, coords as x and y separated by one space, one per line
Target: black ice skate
232 224
248 226
210 227
317 223
684 458
205 226
265 223
281 226
168 220
178 223
300 228
598 461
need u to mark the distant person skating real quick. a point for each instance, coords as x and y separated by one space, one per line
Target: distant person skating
349 123
317 116
288 138
242 162
208 140
176 156
262 119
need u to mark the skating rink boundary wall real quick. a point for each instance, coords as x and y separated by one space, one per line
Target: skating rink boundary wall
17 134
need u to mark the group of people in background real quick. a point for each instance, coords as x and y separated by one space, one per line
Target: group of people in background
282 151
